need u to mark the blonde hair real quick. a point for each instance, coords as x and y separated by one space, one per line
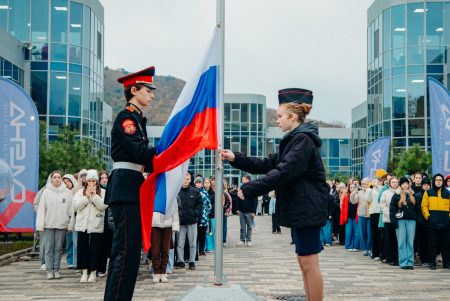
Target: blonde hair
300 109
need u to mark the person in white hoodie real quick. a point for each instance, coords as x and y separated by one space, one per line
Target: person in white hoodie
161 235
390 238
90 207
54 217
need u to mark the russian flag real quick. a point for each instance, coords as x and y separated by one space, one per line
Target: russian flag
192 126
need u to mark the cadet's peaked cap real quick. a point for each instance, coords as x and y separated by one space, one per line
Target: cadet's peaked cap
296 95
143 77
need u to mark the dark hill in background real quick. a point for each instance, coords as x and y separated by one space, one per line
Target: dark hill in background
168 90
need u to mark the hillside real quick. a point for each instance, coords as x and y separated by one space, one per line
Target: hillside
168 90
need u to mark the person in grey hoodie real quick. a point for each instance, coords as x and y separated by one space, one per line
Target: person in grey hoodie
54 217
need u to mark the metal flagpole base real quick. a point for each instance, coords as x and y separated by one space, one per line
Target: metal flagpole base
231 292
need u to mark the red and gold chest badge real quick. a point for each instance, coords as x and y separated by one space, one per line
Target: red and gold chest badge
129 126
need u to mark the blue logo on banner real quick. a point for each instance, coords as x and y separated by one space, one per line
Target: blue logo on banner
19 149
376 156
439 126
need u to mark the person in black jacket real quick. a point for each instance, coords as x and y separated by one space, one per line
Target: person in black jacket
421 236
297 174
189 210
246 211
402 213
326 233
132 156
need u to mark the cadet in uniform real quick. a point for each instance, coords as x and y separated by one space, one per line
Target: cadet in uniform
132 157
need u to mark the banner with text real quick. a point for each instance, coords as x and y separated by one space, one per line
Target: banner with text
19 149
376 156
439 126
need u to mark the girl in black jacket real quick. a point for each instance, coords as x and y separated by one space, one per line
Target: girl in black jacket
403 216
297 174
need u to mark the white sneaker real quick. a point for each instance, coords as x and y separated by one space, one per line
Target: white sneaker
156 278
101 275
92 277
224 244
43 267
240 244
377 259
57 275
249 244
50 275
164 278
84 276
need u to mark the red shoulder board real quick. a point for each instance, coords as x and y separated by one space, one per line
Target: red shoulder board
129 126
130 108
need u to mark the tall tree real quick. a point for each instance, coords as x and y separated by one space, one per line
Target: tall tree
67 153
413 159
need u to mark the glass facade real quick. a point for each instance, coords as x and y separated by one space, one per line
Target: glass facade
66 62
11 71
406 44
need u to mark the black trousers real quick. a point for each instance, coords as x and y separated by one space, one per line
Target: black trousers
390 243
375 235
439 238
88 250
201 236
422 241
275 225
125 253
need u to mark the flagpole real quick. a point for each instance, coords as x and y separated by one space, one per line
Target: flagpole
218 257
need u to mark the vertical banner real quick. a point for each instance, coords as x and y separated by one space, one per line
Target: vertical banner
439 126
376 156
19 149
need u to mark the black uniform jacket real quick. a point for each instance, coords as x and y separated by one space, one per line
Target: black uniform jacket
129 143
190 205
296 173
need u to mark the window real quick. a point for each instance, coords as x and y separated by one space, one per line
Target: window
75 95
99 45
3 14
399 128
58 82
376 46
76 23
55 124
39 90
416 127
416 13
39 23
59 21
398 97
435 26
398 26
86 27
19 19
59 52
386 29
416 92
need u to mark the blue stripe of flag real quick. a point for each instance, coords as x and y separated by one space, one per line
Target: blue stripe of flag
204 97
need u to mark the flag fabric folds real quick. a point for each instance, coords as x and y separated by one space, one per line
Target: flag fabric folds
192 126
376 156
439 126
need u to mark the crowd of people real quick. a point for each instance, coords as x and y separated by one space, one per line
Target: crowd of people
71 213
392 220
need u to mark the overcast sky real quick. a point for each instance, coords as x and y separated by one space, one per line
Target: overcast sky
270 45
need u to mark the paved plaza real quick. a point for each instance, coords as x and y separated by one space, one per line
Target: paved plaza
269 270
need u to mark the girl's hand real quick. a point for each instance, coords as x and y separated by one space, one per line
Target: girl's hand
227 155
